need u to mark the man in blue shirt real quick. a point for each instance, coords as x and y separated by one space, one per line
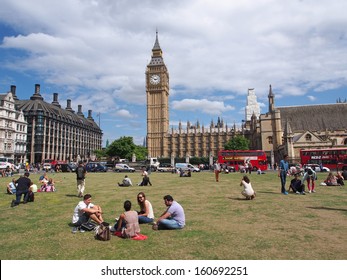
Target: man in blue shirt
283 169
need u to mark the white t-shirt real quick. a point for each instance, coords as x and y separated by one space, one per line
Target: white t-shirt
79 210
150 210
34 187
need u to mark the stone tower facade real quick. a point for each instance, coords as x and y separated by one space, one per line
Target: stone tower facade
157 91
252 107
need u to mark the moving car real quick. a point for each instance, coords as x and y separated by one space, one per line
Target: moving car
121 167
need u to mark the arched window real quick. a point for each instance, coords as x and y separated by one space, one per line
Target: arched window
270 139
308 137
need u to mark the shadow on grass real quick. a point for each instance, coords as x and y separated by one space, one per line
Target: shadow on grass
71 195
268 192
236 198
327 208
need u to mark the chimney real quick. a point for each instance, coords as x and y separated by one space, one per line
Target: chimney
55 100
79 113
37 89
37 95
13 90
68 106
90 115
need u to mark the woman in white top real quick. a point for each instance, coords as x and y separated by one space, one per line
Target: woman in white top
248 191
146 214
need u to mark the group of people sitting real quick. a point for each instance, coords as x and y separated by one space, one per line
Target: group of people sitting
336 180
185 174
23 186
126 182
297 185
128 223
47 185
310 177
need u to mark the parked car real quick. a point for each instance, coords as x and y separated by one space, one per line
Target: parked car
165 167
72 167
316 167
67 167
47 166
121 167
95 167
186 167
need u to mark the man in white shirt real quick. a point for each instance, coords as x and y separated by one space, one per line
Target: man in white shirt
84 211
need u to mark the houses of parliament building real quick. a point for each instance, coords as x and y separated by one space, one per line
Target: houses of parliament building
282 130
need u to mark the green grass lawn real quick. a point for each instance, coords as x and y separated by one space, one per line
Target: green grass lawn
220 224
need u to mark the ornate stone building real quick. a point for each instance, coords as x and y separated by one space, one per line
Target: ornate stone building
13 129
56 133
194 140
287 130
281 130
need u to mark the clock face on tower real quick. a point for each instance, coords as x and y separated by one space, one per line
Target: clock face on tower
154 79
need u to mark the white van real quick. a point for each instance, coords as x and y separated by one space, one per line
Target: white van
186 167
121 167
153 163
4 163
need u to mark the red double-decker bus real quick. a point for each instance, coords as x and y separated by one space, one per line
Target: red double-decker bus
331 158
236 159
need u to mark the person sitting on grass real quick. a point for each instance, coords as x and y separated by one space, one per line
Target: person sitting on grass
48 187
339 179
128 223
146 214
84 211
183 174
297 185
43 178
173 217
145 180
11 187
248 191
331 180
126 182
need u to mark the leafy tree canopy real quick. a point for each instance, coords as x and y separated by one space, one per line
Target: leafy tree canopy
124 147
239 142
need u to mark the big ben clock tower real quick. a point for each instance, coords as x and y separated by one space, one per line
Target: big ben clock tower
157 90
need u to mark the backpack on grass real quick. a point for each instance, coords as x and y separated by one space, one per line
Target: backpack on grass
102 232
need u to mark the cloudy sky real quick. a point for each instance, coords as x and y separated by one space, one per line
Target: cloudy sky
95 52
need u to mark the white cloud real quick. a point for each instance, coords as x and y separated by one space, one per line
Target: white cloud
311 98
123 114
203 105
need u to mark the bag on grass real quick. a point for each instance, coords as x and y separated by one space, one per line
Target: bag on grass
102 232
88 226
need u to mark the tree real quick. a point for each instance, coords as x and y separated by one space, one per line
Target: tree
237 143
141 152
100 153
124 147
